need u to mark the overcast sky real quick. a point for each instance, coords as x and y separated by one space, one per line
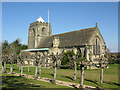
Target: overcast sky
64 17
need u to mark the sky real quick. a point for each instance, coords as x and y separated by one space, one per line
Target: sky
64 17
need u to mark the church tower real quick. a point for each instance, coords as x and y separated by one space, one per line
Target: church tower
37 31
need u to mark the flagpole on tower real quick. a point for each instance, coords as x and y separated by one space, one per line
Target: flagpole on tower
48 20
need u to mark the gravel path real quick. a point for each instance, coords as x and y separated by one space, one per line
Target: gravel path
63 83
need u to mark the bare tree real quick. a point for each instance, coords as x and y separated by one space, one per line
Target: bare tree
75 67
45 57
40 62
18 63
28 60
4 60
11 59
102 63
36 59
27 56
12 55
55 57
21 60
76 58
83 64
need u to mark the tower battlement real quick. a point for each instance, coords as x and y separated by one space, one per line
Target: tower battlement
39 23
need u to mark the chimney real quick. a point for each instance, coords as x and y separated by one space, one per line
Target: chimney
56 42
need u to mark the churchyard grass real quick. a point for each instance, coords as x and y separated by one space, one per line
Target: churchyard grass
92 76
10 81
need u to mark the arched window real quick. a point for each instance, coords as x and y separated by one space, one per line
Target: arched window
33 32
96 47
33 38
96 42
43 31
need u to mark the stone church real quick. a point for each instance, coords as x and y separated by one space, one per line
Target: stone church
87 41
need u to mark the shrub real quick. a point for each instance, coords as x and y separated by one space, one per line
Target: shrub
67 61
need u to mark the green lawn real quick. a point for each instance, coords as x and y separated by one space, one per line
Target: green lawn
10 81
92 77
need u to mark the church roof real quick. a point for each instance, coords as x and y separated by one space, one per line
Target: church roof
69 39
40 19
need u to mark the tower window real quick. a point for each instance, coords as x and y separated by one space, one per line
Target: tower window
33 32
43 31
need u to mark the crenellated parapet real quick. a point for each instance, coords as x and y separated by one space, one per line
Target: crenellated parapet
39 23
34 23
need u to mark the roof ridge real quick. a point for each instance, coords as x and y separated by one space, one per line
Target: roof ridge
73 31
